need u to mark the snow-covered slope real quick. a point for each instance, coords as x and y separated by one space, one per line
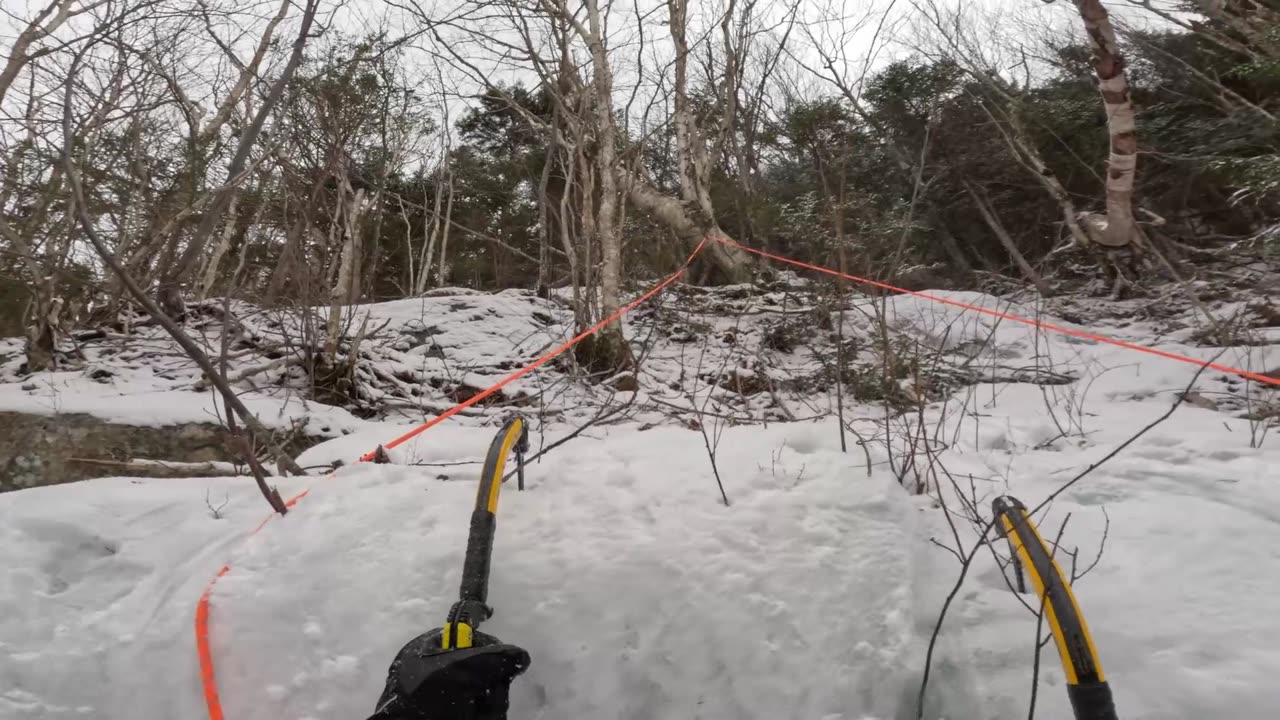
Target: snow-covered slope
640 595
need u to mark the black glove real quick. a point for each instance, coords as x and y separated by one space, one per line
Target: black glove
426 682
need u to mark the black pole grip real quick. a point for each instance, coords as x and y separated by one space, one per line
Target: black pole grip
484 519
1092 701
475 567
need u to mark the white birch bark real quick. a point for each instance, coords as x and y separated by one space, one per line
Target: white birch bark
442 277
1122 163
210 274
606 160
340 294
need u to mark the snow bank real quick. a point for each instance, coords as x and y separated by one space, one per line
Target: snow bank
144 379
639 595
98 583
637 592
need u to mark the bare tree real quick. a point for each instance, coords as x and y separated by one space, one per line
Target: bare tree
608 218
347 223
441 222
698 142
73 155
45 312
563 28
954 35
177 271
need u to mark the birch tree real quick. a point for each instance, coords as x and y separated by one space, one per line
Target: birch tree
1122 163
698 142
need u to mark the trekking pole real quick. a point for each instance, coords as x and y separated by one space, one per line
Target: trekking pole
457 672
1087 687
472 608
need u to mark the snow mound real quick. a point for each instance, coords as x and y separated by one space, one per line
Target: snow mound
418 356
638 593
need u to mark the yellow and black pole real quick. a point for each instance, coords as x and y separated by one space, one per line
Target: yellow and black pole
1086 685
456 671
472 608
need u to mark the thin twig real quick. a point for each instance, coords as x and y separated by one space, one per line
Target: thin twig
946 605
948 548
1106 530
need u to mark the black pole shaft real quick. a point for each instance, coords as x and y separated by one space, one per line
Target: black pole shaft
484 520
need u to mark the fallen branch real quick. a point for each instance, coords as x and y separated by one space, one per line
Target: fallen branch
144 465
245 374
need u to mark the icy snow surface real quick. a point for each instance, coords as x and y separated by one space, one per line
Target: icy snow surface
640 595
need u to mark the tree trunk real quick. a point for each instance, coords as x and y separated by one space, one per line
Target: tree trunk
577 277
340 294
693 162
614 350
953 250
355 288
587 240
989 215
410 278
685 125
442 278
366 281
544 215
224 244
734 263
287 264
44 320
1121 124
430 233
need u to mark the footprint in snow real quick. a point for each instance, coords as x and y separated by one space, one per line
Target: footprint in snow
1093 496
1164 441
1163 453
72 554
804 444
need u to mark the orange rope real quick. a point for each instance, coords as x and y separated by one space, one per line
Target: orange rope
540 361
207 678
1007 316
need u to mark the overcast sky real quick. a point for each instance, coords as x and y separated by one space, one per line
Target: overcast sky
859 35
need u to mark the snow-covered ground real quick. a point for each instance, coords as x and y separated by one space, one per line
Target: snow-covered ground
640 595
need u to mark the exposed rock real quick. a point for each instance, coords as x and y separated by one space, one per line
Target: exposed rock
38 450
